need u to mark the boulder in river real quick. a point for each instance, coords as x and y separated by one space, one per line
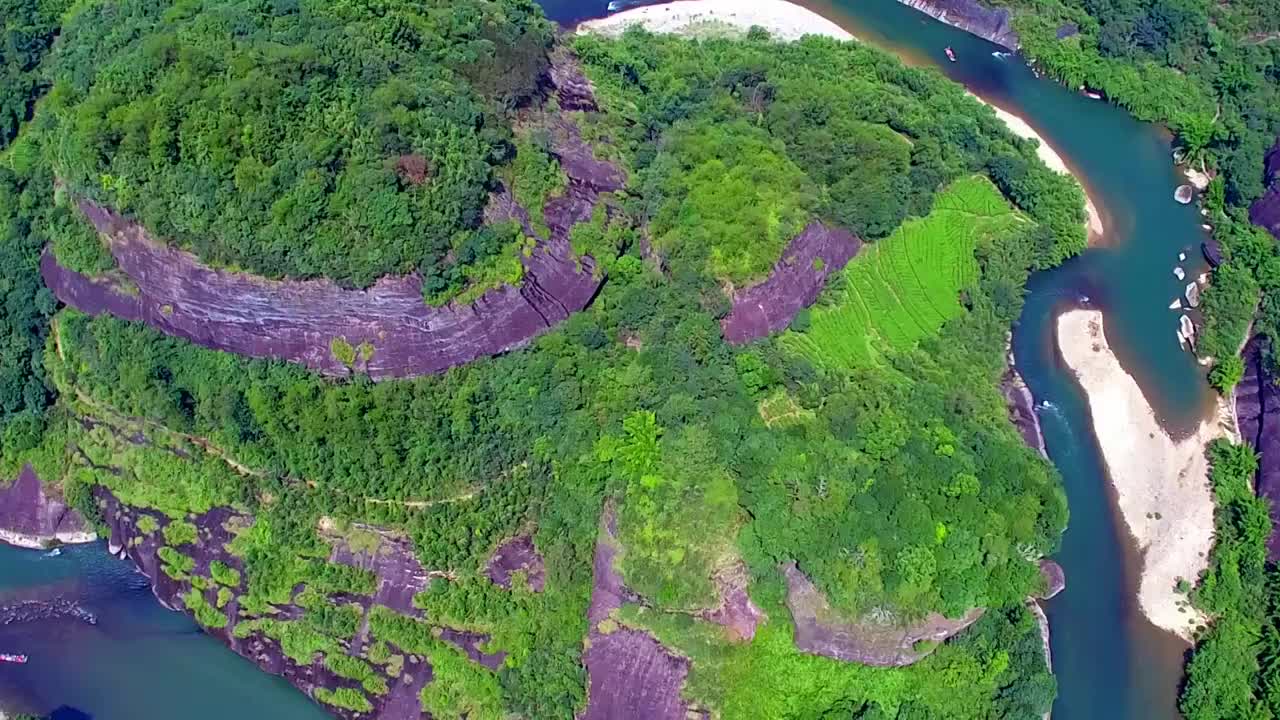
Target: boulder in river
1179 273
1184 194
1193 294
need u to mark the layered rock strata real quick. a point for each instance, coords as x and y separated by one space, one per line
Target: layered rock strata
385 331
32 516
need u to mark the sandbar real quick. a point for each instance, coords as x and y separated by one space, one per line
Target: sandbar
783 20
1161 484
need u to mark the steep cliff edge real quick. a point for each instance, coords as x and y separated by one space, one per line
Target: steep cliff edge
793 284
973 17
1265 211
32 516
388 330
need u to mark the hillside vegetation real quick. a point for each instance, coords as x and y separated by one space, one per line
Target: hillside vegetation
302 139
270 137
906 286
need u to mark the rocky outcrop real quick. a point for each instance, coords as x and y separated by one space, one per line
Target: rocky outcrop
736 613
33 516
630 675
994 24
819 631
1258 416
389 557
1055 579
1022 409
517 554
1265 211
385 331
793 284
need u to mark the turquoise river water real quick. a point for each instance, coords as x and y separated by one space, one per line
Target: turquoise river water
142 662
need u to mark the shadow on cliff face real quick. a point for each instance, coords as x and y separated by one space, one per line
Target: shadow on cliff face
1258 415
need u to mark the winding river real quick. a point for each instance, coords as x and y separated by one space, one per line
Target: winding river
1111 663
142 662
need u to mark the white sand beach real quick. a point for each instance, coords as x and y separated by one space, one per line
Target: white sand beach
1050 157
41 542
1162 485
783 20
788 21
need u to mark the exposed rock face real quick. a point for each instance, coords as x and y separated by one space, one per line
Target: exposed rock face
1258 414
32 517
1265 211
794 283
736 613
631 676
1055 580
399 573
1022 409
518 553
819 632
394 333
971 16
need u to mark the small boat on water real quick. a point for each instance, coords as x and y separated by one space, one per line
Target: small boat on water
951 55
19 659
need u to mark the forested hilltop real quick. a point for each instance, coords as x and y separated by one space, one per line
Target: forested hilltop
629 485
1211 72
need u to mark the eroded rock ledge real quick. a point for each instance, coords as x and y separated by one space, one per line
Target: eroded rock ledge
793 284
392 331
883 644
399 577
973 17
32 517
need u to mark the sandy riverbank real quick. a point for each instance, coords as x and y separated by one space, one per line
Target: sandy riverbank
1050 157
788 21
1161 485
784 20
41 542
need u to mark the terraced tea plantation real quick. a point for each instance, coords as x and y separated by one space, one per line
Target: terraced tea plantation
904 287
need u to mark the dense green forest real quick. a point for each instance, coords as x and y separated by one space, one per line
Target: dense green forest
301 139
271 137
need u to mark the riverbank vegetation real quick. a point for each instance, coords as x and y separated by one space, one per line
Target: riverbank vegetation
899 486
298 140
1209 72
1233 671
